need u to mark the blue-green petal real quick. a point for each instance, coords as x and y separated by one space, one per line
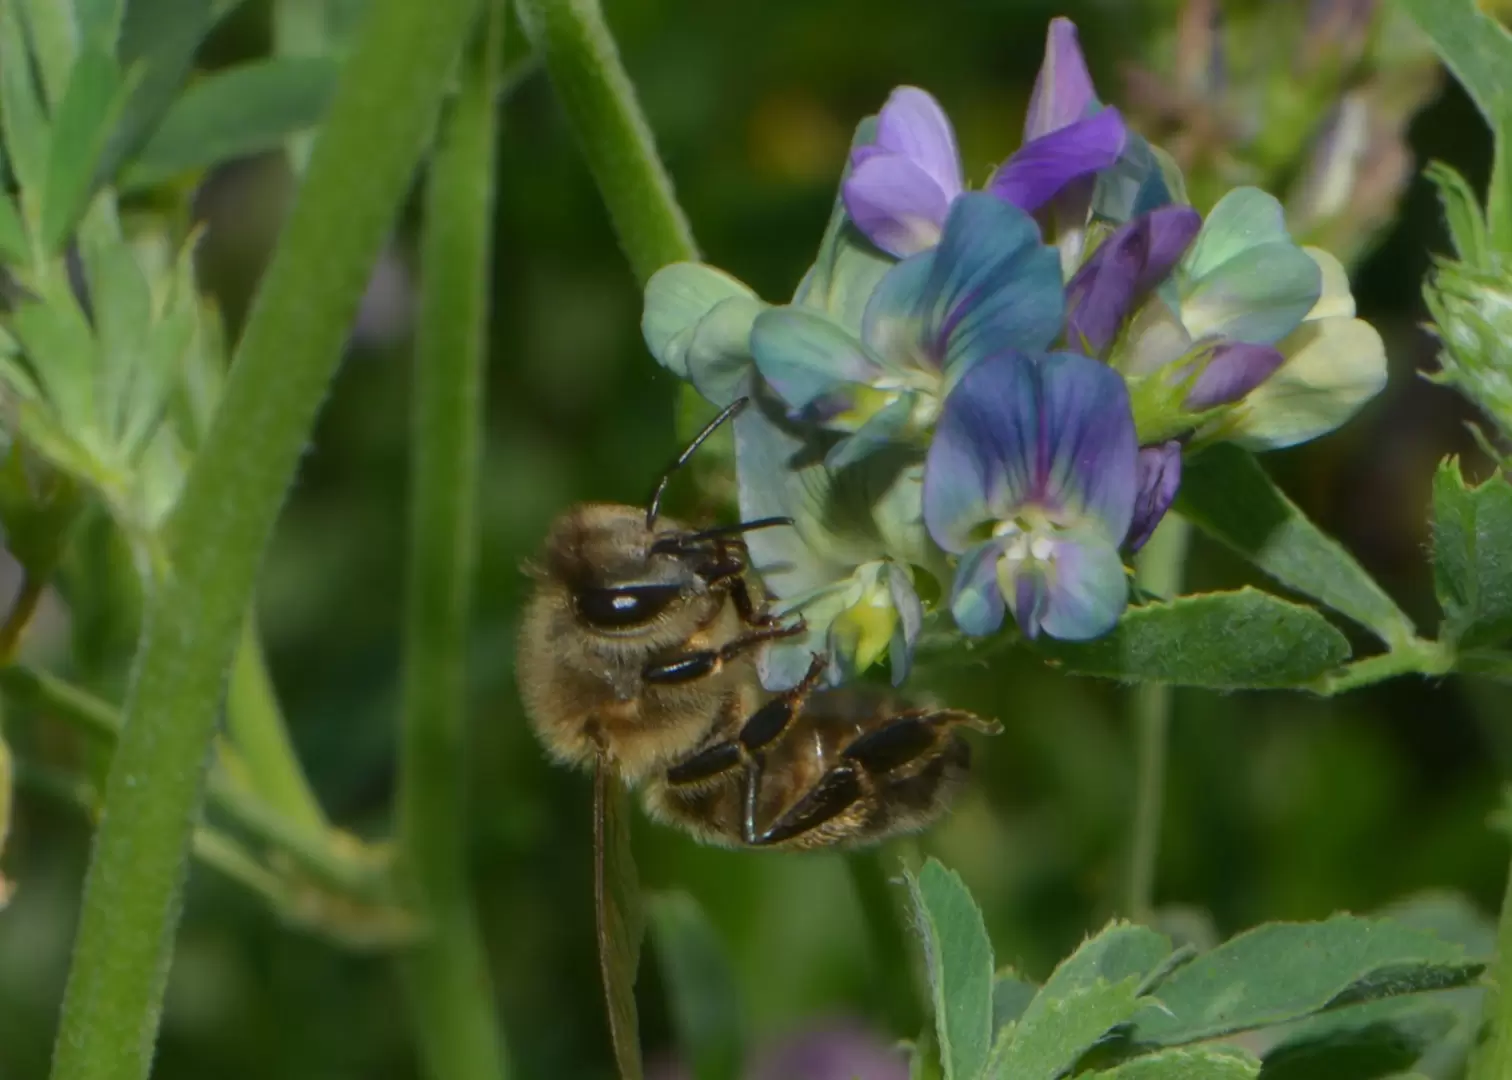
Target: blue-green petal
1258 296
976 601
885 427
1086 589
677 298
991 284
717 351
806 356
905 599
1245 278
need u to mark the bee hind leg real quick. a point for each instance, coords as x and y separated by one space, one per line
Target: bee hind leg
890 779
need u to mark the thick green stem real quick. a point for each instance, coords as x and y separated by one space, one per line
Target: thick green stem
585 69
256 725
1493 1058
1158 570
901 984
382 113
446 972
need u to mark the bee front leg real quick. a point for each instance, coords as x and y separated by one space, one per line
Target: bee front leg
701 663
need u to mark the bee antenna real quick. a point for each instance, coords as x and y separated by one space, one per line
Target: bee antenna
682 459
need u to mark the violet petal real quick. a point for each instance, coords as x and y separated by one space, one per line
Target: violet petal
1234 369
1063 90
1041 168
1158 473
1132 261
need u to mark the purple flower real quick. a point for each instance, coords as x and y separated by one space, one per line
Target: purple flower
1157 478
1131 263
1032 480
901 186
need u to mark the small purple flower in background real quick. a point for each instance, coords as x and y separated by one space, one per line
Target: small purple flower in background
1032 481
989 285
902 185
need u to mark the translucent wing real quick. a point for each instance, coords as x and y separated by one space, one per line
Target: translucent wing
619 920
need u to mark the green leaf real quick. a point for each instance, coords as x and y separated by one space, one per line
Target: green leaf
1226 494
1185 1065
1089 993
1362 1042
1472 556
1011 995
701 987
85 115
235 113
1462 213
158 43
1474 46
620 921
1121 950
22 115
1280 972
13 243
1056 1030
99 21
1223 641
61 354
1478 50
958 955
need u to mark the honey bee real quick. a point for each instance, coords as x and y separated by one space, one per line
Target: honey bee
637 657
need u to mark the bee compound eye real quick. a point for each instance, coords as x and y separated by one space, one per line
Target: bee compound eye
632 605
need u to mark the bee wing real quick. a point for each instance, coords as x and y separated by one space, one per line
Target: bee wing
619 920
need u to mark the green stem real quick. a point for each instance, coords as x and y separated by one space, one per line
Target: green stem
1412 657
211 847
900 983
22 608
382 112
256 725
352 872
1158 570
1493 1058
446 972
600 102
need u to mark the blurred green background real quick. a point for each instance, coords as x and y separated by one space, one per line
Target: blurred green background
1279 806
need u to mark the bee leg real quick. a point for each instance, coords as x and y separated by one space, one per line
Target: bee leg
879 765
762 728
702 663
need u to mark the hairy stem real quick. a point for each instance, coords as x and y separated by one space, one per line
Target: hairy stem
585 69
902 987
1493 1058
1158 570
379 119
446 973
257 727
1414 656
